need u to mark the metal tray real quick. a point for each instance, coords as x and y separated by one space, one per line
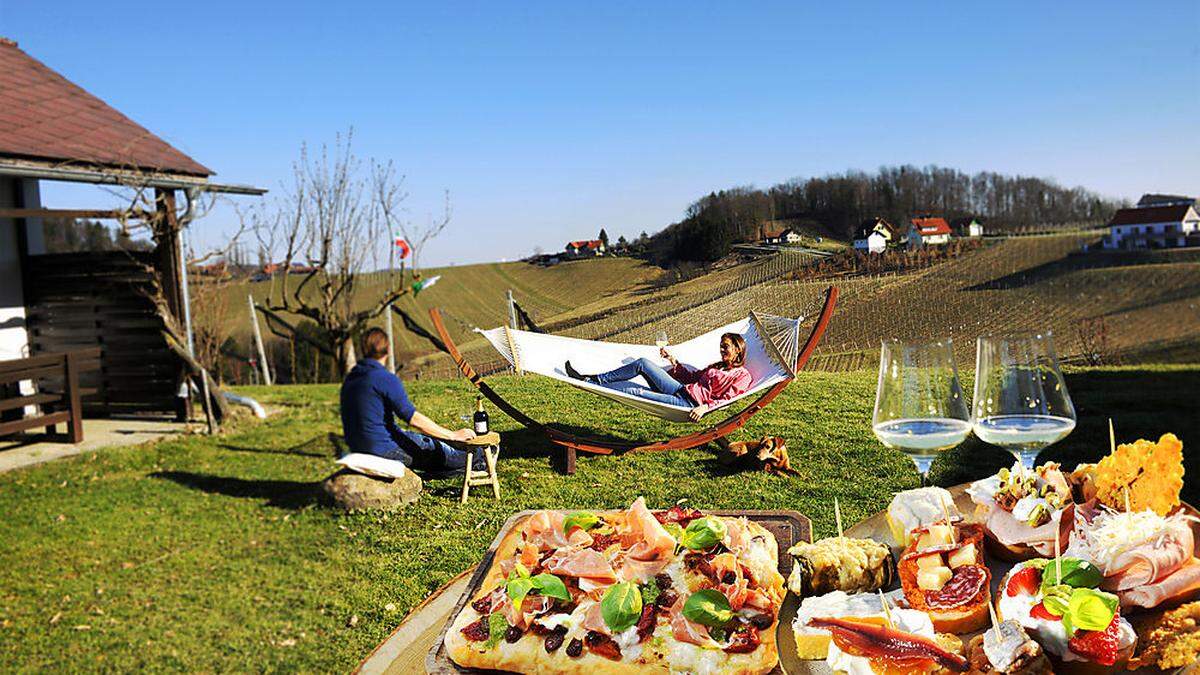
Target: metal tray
788 527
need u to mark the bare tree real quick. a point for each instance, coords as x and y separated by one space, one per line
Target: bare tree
335 219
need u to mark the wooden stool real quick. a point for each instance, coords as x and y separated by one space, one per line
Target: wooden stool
490 442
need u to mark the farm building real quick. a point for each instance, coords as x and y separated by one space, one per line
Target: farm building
130 307
778 235
928 231
590 247
1153 199
966 227
875 235
1159 226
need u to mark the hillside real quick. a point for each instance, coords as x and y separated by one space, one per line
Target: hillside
1129 307
474 295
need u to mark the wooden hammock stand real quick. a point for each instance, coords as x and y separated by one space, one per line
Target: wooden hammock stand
574 444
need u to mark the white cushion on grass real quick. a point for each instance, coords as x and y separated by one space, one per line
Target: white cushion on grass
373 465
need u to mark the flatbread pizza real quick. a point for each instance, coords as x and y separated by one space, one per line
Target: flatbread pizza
625 591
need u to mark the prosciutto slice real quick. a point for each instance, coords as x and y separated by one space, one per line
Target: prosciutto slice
651 547
1011 532
544 530
583 563
532 606
688 631
1183 582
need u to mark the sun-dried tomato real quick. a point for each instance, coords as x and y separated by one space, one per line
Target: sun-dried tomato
483 605
601 542
599 643
745 639
647 622
476 631
678 514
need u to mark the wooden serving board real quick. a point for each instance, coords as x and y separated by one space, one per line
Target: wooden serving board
876 527
788 527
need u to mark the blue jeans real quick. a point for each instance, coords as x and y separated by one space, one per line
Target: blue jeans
424 453
664 388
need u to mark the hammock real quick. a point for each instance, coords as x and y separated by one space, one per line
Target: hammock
573 443
772 344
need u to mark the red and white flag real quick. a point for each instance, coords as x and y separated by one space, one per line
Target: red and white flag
402 247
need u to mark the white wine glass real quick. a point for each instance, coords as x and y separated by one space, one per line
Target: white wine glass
660 339
1021 399
920 409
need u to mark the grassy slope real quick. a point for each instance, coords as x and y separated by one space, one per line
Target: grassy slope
475 294
215 553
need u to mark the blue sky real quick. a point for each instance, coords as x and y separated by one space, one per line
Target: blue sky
546 121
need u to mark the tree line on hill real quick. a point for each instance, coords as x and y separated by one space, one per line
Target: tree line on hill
836 204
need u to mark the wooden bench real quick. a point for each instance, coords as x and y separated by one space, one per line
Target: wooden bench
58 400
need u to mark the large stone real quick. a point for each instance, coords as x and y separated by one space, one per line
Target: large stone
354 491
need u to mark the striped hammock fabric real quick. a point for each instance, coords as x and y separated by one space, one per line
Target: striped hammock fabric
772 345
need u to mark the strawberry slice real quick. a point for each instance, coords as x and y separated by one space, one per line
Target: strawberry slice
1026 581
1098 646
1039 611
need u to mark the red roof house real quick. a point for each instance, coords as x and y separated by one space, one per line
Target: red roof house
585 247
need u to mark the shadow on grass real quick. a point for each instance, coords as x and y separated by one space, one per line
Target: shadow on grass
1142 404
321 445
284 494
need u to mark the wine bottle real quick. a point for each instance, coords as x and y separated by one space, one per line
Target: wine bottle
480 417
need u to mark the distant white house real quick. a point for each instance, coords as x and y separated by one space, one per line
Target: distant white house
1155 226
928 231
875 235
767 235
966 227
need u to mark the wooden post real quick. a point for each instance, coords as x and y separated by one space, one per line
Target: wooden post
74 407
391 340
168 253
208 414
512 311
258 343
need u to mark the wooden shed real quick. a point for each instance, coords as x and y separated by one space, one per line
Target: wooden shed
129 304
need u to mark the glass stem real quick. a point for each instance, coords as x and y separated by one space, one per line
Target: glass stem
923 464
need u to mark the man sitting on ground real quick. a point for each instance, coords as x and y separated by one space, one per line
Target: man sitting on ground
372 396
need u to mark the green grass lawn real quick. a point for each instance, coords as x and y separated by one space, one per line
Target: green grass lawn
217 554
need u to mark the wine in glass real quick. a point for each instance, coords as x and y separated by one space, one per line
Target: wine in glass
1021 399
920 409
660 340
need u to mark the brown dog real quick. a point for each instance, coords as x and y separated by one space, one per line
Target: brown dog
769 453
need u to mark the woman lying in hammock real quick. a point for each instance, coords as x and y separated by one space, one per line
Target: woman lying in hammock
698 389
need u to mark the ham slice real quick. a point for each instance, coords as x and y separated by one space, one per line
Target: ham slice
688 631
532 606
544 530
651 547
593 619
583 563
1011 532
1178 585
1151 560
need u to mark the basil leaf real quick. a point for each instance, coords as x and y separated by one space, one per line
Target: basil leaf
708 607
1057 600
518 588
550 586
674 529
517 572
584 519
1091 609
497 625
621 606
650 593
1075 573
703 533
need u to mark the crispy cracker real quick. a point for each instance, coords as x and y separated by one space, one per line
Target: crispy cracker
1152 473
